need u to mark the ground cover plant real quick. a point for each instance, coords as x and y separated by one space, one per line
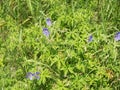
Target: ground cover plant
59 44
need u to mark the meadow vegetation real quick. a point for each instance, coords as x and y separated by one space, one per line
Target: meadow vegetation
59 45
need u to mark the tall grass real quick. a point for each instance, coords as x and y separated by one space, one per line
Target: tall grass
65 60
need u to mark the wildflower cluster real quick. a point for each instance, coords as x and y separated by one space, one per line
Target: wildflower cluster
45 30
116 38
32 76
90 38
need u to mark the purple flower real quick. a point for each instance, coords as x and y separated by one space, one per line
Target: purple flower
37 73
90 38
117 36
30 75
48 22
46 32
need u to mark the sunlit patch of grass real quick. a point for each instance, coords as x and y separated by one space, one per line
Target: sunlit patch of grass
74 44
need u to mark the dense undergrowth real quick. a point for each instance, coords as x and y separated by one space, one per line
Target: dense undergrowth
65 59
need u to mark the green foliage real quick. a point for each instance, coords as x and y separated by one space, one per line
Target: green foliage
65 60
